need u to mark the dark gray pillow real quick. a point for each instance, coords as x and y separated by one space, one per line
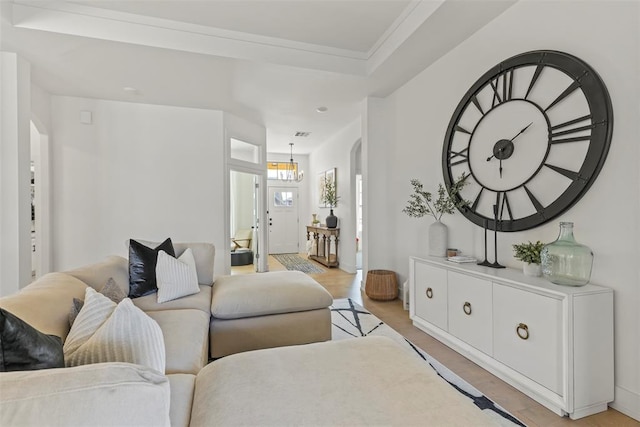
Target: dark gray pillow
110 290
24 348
142 267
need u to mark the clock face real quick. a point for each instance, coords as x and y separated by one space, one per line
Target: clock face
531 135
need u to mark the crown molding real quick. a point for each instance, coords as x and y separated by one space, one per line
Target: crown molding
86 21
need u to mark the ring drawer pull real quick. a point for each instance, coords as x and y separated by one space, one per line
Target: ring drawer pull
523 331
429 293
467 308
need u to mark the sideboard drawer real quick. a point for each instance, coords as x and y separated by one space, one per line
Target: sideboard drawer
527 334
469 307
431 294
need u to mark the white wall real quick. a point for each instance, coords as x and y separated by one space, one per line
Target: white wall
138 171
606 34
41 109
15 173
336 152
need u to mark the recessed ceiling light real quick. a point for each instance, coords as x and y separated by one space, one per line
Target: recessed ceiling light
321 109
130 89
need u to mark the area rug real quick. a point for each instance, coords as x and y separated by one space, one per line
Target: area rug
295 262
350 320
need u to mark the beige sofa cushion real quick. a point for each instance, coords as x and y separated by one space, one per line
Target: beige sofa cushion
200 301
45 303
106 394
361 381
182 386
96 275
249 295
276 330
186 339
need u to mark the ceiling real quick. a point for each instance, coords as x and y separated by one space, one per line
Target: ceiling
271 61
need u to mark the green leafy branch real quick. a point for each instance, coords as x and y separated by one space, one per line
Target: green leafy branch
422 203
329 196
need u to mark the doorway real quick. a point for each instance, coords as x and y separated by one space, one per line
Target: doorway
40 202
283 220
243 217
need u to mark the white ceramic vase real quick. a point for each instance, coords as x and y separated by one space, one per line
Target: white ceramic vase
534 270
438 236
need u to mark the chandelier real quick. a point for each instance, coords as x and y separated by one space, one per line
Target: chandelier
290 172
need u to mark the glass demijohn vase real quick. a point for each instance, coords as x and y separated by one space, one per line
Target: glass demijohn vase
565 261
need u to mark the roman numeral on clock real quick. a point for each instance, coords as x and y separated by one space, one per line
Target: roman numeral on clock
477 200
568 91
574 176
505 203
461 129
561 136
477 104
536 204
534 79
454 154
502 87
502 202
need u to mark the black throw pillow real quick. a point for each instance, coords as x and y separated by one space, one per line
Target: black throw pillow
24 348
142 267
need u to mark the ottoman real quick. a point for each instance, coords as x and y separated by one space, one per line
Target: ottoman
369 381
256 311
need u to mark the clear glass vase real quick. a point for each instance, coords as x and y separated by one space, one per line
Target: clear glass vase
565 261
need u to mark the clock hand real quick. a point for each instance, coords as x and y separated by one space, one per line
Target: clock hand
489 158
508 141
519 133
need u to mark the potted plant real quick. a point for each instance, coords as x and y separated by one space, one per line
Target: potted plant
330 198
422 203
529 254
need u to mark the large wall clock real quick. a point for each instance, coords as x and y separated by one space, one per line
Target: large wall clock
531 135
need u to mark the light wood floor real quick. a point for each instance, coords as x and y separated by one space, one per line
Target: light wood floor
345 285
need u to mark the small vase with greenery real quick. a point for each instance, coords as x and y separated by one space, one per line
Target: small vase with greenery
330 198
422 203
529 253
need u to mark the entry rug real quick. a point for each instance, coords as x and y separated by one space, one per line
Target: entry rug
350 320
296 262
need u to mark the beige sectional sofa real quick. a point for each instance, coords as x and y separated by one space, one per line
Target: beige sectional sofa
360 381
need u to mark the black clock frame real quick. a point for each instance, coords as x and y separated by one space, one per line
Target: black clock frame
599 101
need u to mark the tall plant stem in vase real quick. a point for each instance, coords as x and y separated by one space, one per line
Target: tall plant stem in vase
422 203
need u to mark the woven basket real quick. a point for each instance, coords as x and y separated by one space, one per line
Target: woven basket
381 285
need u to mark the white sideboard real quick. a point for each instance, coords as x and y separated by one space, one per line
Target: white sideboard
553 343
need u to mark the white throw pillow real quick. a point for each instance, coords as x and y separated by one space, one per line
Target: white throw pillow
176 278
127 335
96 310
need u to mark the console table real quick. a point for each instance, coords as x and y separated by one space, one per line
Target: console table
553 343
323 237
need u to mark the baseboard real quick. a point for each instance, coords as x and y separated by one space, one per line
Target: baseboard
627 402
348 268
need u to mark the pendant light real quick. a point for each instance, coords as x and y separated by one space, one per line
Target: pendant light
290 174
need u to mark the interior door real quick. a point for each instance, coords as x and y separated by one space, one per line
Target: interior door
283 220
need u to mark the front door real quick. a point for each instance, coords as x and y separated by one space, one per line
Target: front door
283 220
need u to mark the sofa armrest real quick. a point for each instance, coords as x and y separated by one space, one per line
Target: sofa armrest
108 394
45 303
